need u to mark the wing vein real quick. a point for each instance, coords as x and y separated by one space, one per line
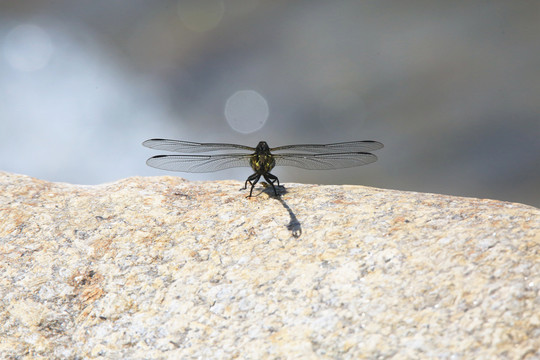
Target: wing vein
325 161
198 163
192 147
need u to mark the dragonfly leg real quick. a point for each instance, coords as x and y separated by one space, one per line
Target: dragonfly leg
272 179
252 180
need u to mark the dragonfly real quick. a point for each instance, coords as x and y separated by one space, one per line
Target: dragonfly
262 158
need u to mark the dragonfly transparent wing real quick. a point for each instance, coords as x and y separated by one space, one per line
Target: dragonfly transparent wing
198 163
191 147
350 146
325 161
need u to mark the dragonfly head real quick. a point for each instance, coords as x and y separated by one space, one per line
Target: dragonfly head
262 147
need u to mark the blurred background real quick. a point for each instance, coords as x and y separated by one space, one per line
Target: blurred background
452 89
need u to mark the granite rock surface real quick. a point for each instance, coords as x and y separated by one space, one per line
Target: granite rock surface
158 268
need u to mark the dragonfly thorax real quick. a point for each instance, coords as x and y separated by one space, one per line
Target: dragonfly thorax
262 161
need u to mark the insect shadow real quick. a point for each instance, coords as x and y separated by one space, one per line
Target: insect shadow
294 225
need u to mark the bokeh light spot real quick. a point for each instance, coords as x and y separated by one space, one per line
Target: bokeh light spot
201 15
246 111
27 48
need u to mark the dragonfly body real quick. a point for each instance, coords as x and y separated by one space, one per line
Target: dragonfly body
261 158
262 162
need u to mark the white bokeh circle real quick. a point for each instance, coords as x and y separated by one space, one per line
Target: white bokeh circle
246 111
28 48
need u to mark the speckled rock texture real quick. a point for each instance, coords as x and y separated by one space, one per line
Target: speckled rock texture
163 268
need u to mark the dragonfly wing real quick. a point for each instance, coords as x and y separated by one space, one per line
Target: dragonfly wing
198 163
350 146
191 147
325 161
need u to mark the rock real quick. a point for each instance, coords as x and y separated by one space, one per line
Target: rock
165 268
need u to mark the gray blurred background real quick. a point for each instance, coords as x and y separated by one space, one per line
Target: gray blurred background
451 88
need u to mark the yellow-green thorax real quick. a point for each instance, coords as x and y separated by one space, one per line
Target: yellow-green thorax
262 161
